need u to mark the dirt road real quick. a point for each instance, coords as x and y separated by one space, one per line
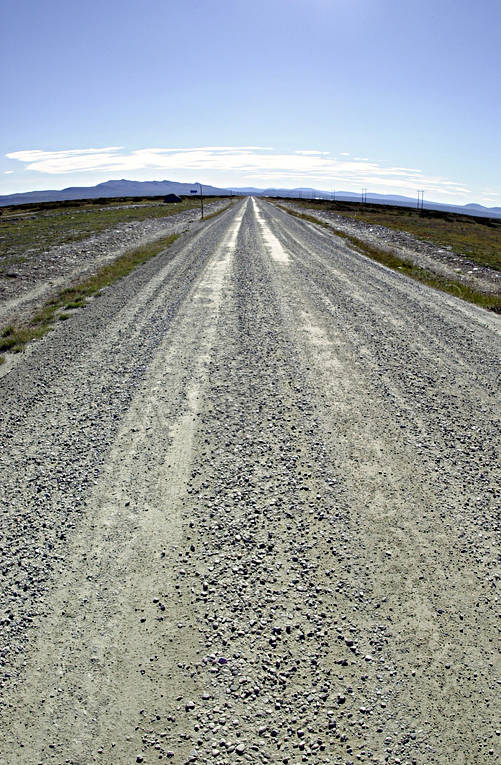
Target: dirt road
250 503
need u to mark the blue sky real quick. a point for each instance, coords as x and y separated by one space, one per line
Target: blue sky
391 95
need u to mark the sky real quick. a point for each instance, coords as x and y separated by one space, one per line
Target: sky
389 95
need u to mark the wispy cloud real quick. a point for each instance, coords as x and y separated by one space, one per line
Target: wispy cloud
308 152
244 164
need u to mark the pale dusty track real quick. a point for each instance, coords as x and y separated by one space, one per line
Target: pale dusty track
251 513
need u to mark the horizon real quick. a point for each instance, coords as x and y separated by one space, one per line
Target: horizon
339 192
329 95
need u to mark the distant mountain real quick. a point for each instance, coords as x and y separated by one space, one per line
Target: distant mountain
248 190
473 206
124 188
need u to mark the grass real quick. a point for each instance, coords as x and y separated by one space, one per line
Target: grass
32 231
14 338
487 301
475 237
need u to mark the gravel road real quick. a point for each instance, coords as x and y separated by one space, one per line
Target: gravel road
250 504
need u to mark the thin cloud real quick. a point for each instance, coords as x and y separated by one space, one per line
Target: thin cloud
307 152
262 164
35 155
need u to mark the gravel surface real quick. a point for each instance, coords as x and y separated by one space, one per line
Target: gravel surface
250 505
439 260
32 281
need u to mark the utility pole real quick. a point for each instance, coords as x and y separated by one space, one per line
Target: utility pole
420 200
201 200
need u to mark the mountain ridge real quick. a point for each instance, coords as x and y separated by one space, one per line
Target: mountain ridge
108 189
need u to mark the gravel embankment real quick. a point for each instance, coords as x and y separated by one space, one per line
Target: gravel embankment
439 260
250 514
